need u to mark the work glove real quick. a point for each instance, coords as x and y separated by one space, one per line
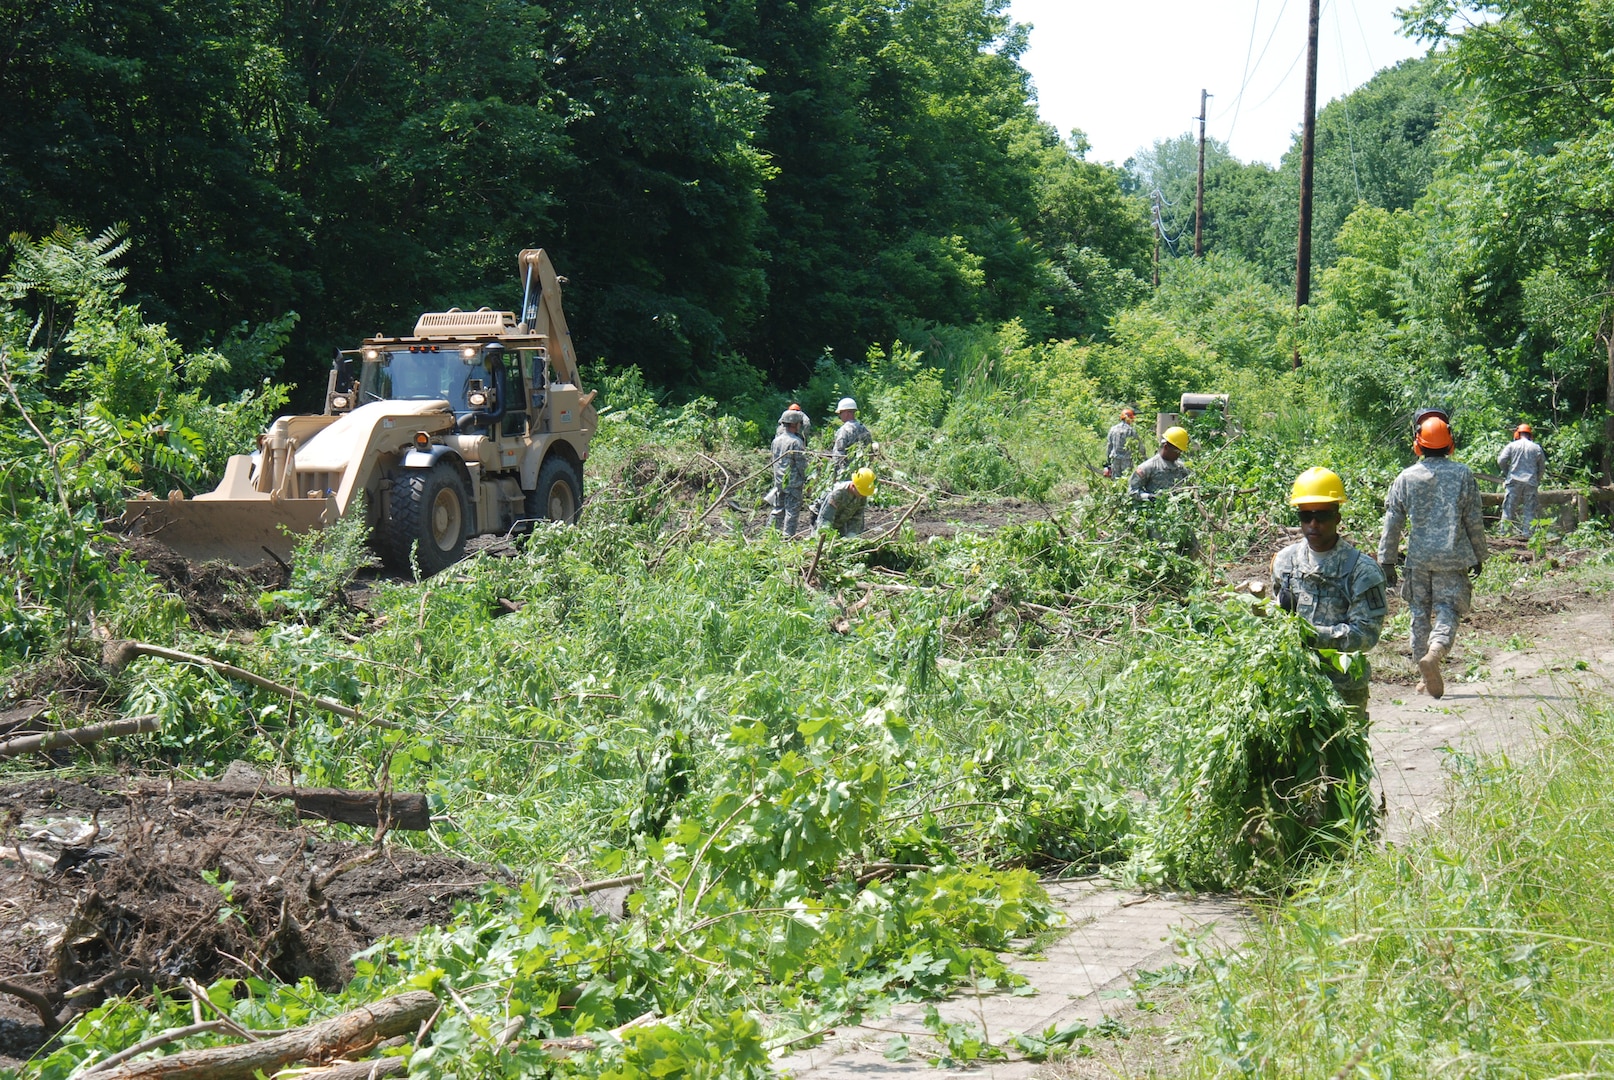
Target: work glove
1287 599
1106 472
1389 574
1474 571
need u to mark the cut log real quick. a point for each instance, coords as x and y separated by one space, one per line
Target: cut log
371 808
79 736
1570 508
373 1069
324 1041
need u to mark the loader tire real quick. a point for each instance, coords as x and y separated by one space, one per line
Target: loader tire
558 495
431 515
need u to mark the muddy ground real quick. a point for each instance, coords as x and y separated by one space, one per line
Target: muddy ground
113 885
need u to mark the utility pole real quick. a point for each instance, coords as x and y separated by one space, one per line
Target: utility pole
1154 197
1308 146
1199 190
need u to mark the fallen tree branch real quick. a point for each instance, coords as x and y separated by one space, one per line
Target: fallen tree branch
79 736
374 1069
405 810
39 1002
319 1042
607 883
119 653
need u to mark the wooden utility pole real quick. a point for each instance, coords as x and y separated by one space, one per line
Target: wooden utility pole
1308 146
1155 198
1199 189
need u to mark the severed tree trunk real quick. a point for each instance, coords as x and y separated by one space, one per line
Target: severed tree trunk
346 1034
405 810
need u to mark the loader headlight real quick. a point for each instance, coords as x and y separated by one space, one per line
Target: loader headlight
340 402
477 399
468 352
372 354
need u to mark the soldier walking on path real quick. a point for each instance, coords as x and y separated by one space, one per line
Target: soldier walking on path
851 434
842 509
1329 583
1522 462
1162 472
1120 444
789 471
1437 502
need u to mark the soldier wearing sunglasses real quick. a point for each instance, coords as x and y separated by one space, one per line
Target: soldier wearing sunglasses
1333 586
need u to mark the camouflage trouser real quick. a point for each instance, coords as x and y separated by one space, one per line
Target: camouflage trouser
1121 467
786 510
1519 505
1442 596
1356 698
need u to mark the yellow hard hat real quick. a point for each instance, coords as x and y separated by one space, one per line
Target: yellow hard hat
1177 437
1317 485
863 481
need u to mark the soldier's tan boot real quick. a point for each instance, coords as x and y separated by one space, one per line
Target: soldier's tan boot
1429 668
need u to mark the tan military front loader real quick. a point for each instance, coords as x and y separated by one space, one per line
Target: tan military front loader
474 424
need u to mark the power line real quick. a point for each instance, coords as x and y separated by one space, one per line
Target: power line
1249 71
1244 80
1350 126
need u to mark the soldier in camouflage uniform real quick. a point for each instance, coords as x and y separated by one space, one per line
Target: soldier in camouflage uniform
1522 462
843 508
789 472
1437 502
1162 472
851 434
1329 583
1119 445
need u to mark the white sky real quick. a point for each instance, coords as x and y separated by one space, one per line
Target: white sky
1130 73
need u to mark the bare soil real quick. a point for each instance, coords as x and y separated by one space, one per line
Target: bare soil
105 891
218 595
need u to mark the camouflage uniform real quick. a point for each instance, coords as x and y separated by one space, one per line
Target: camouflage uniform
1438 503
1118 447
789 480
1522 462
852 433
1155 476
1341 594
842 510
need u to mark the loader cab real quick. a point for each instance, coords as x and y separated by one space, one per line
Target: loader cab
471 376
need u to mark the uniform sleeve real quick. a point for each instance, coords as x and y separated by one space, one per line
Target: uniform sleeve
1364 620
1395 519
1504 457
1473 521
1135 485
826 509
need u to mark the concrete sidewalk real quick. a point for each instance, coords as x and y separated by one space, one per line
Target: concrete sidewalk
1113 934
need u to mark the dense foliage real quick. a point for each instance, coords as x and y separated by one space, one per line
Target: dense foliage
728 187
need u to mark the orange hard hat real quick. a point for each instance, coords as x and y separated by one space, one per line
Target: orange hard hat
1129 414
1523 429
1433 434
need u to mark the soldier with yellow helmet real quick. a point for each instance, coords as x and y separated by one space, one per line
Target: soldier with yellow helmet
842 508
1326 581
1164 471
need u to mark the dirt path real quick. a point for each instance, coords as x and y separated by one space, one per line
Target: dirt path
1522 658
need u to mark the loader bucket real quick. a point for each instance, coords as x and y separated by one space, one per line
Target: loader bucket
241 531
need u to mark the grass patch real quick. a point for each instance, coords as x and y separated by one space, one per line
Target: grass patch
1483 951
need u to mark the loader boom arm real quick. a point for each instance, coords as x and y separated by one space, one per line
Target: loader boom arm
542 312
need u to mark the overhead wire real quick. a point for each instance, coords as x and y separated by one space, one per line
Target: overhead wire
1249 69
1350 126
